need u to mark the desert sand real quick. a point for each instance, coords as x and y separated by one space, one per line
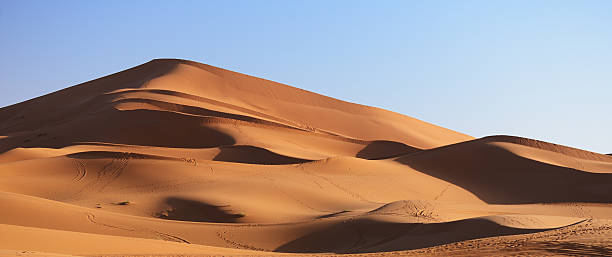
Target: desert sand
178 158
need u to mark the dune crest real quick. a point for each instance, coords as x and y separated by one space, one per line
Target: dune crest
174 157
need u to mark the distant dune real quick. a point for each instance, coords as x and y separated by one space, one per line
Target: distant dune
174 157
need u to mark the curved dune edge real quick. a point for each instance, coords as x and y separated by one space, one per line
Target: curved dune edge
174 157
565 150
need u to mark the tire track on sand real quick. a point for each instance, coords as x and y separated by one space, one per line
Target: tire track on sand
81 170
105 176
113 170
223 236
164 236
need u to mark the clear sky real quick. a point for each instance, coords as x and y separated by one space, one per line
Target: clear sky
538 69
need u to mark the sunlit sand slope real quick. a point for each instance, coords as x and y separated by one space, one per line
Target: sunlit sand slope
178 158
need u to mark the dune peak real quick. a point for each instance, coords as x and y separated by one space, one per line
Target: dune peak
181 158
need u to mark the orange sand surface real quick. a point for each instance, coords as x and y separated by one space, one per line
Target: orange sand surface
178 158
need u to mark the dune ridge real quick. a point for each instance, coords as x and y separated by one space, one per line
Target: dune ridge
566 150
174 157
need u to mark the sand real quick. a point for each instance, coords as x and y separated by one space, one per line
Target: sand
175 157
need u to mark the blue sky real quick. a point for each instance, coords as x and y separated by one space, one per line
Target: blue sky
538 69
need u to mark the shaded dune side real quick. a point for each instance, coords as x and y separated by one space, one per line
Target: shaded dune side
381 149
179 208
69 102
137 127
254 155
498 176
369 236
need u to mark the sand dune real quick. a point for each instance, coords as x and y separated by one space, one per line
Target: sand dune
175 157
511 170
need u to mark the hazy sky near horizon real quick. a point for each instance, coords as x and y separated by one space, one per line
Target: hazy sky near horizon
537 69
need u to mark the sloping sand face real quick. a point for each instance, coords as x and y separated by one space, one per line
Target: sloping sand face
174 157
